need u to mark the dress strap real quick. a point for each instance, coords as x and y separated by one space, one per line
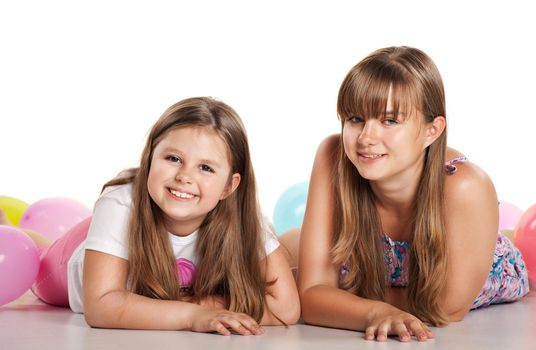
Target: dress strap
450 168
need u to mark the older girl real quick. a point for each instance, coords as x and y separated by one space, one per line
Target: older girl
399 231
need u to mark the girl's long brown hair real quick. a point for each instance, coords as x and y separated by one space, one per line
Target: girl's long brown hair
415 84
229 244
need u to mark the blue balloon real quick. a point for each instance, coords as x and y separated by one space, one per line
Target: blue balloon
290 208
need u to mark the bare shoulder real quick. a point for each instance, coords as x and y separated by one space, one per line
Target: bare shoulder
328 151
326 157
329 145
468 179
469 191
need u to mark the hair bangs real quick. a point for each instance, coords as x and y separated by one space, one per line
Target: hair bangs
405 101
370 86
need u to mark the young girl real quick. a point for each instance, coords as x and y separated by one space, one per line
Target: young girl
178 243
399 230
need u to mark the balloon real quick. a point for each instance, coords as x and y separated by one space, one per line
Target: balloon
526 240
290 207
509 215
14 208
19 263
52 217
53 269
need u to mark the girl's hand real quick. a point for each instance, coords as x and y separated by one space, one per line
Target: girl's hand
223 322
397 322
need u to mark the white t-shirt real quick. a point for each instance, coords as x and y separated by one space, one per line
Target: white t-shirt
108 234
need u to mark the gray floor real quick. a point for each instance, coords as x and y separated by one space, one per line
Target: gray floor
29 324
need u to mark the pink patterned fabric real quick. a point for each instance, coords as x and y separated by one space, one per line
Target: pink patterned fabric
186 271
507 279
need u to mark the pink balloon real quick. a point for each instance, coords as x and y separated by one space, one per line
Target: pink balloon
509 215
526 240
19 263
52 217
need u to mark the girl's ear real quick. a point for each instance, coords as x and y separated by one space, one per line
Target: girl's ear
232 185
434 129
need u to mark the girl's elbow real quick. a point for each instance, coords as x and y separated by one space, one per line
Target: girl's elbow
457 316
287 313
94 319
293 314
307 312
100 315
308 316
456 313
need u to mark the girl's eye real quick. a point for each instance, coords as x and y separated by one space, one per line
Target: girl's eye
174 159
355 119
388 121
205 167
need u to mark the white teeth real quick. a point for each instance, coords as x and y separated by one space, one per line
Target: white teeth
181 194
371 155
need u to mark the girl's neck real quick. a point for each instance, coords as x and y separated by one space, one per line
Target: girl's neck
397 199
395 202
181 229
398 192
396 212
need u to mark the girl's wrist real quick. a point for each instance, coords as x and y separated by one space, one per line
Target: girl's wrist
189 313
380 309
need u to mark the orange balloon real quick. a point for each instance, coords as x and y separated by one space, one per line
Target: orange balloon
525 240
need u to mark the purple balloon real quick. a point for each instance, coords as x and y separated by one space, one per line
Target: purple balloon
19 263
509 216
52 217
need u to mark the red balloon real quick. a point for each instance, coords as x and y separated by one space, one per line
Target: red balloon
526 240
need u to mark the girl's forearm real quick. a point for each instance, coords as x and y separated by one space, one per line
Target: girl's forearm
398 297
122 309
334 307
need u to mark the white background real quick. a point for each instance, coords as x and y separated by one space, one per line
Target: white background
81 83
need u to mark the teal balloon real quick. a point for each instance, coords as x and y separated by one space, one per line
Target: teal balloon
290 208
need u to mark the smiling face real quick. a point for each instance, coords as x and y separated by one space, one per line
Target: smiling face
388 146
190 173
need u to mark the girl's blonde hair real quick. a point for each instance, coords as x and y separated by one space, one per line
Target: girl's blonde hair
415 86
229 244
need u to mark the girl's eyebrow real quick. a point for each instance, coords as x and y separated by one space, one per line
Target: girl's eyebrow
171 149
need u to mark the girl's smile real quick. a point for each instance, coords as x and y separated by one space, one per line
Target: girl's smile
181 195
369 158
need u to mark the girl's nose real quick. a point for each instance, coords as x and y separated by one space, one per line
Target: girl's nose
369 133
183 177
